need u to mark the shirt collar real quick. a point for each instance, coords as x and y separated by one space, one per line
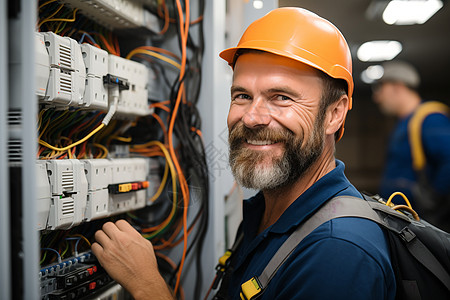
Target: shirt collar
325 188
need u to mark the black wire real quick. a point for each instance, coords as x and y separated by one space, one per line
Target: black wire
192 152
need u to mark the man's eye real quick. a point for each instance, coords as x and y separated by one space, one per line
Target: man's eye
242 96
282 98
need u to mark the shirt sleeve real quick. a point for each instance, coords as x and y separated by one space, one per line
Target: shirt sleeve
436 143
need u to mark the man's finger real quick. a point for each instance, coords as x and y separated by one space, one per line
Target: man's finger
111 230
102 238
97 249
127 228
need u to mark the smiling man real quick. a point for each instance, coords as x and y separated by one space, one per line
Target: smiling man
292 87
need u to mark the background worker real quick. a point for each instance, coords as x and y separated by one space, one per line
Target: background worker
396 93
292 87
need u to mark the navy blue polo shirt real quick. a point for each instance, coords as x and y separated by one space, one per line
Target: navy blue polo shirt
345 258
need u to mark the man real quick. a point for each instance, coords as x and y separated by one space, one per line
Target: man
396 92
292 88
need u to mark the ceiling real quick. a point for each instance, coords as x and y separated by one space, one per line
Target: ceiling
427 46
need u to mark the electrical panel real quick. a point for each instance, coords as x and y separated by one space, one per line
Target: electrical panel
118 136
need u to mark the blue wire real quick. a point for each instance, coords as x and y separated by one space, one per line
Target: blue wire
76 244
89 36
50 249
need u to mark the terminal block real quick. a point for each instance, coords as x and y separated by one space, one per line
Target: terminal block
42 66
126 171
98 175
96 63
73 278
72 191
133 101
66 83
69 189
43 194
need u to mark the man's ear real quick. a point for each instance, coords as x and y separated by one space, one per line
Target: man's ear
335 115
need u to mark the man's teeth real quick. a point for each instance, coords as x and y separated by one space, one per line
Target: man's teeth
260 143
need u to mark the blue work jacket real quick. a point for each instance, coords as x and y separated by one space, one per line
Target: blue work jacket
399 174
345 258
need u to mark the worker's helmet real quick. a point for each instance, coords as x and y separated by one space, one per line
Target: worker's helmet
303 36
400 71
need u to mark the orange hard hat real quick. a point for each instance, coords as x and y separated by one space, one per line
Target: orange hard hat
301 35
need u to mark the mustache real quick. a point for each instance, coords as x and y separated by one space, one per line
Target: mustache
240 133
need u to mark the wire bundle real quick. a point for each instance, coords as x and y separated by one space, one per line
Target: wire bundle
182 138
172 133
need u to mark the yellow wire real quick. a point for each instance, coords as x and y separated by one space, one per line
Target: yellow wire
43 143
163 183
65 250
44 4
105 150
154 54
43 129
174 184
57 30
388 202
54 122
122 139
59 19
51 16
82 236
41 113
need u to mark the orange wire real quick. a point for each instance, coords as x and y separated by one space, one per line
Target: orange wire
197 131
198 20
161 123
107 45
182 180
160 50
166 17
165 244
181 239
161 106
116 45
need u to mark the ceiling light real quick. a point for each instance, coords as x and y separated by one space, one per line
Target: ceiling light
379 50
258 4
372 73
404 12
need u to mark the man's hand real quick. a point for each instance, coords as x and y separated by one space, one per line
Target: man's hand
130 260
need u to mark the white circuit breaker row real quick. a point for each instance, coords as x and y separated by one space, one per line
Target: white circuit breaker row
72 191
120 14
84 76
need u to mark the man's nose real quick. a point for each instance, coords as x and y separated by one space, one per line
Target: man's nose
258 113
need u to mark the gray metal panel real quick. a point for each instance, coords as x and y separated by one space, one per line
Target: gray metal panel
29 106
23 103
5 278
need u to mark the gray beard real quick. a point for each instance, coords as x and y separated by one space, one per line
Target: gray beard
250 172
257 176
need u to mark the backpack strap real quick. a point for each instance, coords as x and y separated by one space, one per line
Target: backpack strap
223 270
338 207
415 130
